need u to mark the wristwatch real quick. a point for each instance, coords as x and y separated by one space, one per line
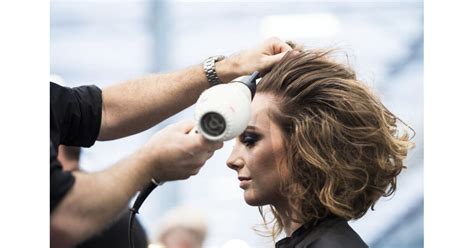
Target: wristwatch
209 66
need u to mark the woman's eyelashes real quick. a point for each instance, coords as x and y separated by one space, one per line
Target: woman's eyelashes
249 139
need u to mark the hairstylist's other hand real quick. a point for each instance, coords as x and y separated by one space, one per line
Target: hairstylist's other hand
177 154
260 58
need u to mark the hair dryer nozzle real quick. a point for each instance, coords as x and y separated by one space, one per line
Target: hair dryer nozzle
250 81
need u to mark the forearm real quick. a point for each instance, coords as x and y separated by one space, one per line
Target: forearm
96 199
136 105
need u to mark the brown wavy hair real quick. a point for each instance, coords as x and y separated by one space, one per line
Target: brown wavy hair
343 147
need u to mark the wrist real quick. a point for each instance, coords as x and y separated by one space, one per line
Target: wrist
147 164
209 66
227 69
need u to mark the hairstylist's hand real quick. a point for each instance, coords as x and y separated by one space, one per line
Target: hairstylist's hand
260 58
177 154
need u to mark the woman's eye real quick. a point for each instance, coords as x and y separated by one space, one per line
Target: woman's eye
249 139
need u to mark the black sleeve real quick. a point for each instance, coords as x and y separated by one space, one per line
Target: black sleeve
75 116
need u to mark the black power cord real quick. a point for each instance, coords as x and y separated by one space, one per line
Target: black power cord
136 205
131 242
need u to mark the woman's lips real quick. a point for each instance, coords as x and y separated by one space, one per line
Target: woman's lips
244 182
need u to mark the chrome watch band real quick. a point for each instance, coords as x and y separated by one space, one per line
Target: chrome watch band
209 66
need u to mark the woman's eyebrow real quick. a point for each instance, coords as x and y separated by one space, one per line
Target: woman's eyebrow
251 128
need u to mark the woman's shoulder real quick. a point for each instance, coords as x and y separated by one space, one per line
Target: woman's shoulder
332 232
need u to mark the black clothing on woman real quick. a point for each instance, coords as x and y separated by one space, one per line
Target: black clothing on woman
330 232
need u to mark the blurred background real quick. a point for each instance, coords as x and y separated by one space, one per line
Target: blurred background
108 41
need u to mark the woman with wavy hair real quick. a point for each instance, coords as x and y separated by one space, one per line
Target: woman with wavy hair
320 150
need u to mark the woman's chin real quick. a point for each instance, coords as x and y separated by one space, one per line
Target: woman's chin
251 200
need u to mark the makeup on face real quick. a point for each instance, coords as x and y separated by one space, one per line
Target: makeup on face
256 155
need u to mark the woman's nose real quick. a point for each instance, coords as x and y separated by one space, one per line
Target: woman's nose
235 160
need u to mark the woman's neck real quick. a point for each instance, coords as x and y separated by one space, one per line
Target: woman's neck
287 218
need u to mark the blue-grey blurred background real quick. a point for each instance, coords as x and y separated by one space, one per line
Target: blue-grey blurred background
108 41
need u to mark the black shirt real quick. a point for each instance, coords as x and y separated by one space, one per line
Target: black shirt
331 232
75 116
116 235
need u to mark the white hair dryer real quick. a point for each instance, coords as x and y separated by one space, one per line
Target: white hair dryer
223 111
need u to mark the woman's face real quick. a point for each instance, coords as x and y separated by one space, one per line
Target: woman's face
257 153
